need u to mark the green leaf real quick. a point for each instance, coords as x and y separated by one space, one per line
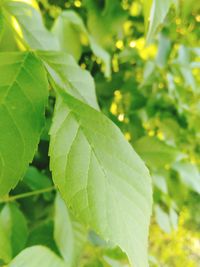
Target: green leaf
166 221
5 245
14 225
23 95
159 181
67 75
8 40
164 49
71 239
100 176
159 10
154 152
1 24
189 175
19 231
69 26
37 256
183 62
163 219
35 179
31 25
147 9
42 234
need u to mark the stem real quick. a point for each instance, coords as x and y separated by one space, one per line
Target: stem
28 194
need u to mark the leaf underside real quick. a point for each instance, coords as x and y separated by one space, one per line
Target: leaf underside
100 176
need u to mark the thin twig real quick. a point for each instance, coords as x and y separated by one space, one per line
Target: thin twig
28 194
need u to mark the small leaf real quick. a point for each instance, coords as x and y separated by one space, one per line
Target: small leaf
189 175
163 219
183 62
100 177
37 256
23 96
164 49
159 10
35 179
69 26
65 30
71 239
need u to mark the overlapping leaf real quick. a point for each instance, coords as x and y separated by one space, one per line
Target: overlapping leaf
31 30
67 75
23 95
100 176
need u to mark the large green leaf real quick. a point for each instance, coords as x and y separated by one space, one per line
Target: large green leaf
37 256
100 176
13 232
67 75
71 239
159 10
23 95
31 28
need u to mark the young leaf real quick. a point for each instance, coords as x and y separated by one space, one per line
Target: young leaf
23 95
67 75
37 256
101 177
71 239
159 10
